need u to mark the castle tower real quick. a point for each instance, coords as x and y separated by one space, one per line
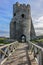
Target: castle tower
20 25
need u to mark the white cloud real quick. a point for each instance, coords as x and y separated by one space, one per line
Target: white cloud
4 35
38 24
39 32
40 19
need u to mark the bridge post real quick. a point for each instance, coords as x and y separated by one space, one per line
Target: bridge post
40 58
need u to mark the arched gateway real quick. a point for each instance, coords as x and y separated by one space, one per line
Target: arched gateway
23 38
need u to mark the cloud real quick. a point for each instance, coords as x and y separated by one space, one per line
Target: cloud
36 8
38 25
40 19
1 31
4 33
39 32
40 28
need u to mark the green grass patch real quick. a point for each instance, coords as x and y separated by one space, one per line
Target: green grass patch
38 40
2 41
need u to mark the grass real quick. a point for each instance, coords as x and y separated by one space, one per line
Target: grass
2 41
38 40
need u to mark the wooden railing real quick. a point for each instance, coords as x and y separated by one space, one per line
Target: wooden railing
6 51
37 52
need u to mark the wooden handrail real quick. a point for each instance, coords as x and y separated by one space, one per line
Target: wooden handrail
7 45
39 47
6 51
37 53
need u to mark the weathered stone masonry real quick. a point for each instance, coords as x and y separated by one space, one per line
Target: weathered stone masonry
21 23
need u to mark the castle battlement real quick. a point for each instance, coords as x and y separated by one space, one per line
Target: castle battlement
23 5
18 7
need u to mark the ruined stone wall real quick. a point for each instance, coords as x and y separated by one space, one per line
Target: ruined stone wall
32 32
22 17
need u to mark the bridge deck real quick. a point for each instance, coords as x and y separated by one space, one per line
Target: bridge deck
21 56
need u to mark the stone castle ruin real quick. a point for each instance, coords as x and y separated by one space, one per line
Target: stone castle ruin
21 26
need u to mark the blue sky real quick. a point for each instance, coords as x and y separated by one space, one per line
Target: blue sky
6 14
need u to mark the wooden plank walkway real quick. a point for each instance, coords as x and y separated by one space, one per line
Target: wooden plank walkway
21 56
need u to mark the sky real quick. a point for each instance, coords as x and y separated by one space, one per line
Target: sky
6 14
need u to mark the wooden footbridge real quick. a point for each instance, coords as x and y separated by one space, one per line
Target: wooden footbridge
18 53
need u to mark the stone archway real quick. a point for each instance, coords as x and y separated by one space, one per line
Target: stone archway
23 38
